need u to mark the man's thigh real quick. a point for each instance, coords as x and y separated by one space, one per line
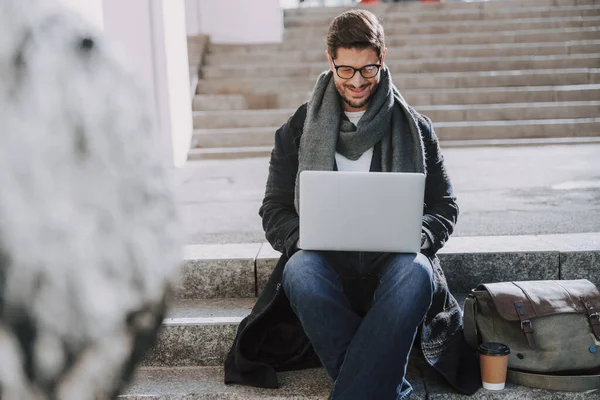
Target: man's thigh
406 273
308 269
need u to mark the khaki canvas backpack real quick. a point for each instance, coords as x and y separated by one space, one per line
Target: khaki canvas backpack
552 328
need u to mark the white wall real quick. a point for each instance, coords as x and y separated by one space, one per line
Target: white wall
192 17
127 23
89 9
176 76
152 36
241 21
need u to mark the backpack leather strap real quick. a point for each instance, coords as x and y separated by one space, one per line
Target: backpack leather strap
571 383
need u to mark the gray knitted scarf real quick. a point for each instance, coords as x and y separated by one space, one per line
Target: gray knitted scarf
387 119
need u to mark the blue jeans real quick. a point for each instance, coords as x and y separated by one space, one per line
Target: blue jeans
361 312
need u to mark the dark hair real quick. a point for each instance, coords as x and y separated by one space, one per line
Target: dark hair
355 29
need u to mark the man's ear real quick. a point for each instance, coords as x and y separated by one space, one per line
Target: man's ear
383 53
329 59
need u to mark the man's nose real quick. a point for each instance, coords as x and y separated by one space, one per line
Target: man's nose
357 80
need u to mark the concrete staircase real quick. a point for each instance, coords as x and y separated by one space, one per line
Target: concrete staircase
514 71
499 72
219 284
196 46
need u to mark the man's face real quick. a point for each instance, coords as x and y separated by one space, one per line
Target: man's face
358 90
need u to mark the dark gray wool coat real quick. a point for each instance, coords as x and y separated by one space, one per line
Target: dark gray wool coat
271 338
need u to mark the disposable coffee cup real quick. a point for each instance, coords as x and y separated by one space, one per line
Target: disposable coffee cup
494 362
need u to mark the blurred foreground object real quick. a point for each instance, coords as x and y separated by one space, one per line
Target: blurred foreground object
88 238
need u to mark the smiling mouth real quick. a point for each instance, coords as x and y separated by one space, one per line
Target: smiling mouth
358 92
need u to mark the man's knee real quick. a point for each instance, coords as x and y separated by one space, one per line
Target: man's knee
293 267
415 269
306 277
301 268
424 267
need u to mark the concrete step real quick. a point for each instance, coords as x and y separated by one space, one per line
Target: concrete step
415 97
512 111
229 153
234 137
443 7
438 81
429 65
220 102
259 101
309 33
219 271
588 32
233 153
439 113
206 383
524 129
520 142
499 95
196 45
241 118
241 270
419 52
417 7
499 37
459 130
464 15
199 332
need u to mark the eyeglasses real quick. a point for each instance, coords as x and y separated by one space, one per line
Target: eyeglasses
347 72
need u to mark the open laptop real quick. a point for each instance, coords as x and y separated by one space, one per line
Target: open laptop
361 211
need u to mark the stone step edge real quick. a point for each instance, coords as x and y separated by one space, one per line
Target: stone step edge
237 309
411 8
398 49
320 28
441 107
197 62
173 383
395 62
439 124
520 142
397 77
570 242
196 154
250 264
492 89
302 44
443 124
307 40
176 383
415 13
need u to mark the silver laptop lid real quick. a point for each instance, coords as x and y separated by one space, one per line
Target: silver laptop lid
361 211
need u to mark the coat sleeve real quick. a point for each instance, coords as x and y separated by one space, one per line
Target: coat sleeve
441 211
279 217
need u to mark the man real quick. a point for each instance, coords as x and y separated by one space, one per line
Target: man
356 313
